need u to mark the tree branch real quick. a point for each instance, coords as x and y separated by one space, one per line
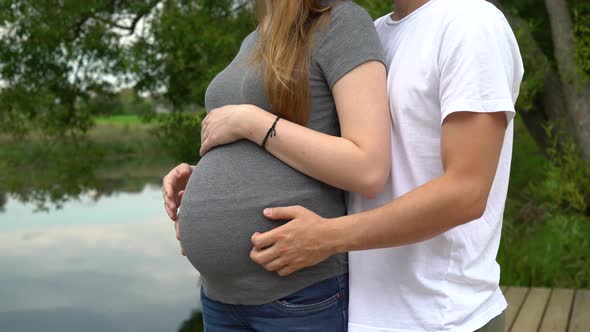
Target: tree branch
576 88
562 31
549 95
143 13
79 26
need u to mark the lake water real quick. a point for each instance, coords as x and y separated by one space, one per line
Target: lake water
111 264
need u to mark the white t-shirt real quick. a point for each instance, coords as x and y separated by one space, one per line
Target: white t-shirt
447 56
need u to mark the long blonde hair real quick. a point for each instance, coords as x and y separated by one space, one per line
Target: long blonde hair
286 33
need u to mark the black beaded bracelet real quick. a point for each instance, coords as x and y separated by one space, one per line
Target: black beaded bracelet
271 132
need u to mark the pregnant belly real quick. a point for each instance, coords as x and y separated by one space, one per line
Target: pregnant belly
223 202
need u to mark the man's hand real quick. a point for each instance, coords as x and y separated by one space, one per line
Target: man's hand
300 243
178 238
173 186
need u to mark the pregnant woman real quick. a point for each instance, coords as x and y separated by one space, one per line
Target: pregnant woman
298 117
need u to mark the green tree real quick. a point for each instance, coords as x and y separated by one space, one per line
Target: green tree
189 43
555 46
55 57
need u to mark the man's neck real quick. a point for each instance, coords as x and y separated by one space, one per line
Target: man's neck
404 8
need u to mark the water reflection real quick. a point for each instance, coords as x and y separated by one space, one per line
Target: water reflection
52 174
94 265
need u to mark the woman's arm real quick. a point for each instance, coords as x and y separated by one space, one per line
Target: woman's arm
359 161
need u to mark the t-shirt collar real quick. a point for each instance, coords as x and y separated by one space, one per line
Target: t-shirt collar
391 21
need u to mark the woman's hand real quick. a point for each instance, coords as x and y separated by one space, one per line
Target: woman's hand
226 125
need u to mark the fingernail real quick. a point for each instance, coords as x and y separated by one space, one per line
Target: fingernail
267 212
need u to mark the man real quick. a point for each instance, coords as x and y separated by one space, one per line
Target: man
423 253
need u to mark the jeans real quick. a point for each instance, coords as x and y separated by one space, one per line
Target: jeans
321 307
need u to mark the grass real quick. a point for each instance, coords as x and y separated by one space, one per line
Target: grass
554 252
121 119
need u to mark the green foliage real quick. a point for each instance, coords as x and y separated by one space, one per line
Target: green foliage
125 119
126 102
61 62
548 207
104 104
377 8
193 324
538 23
566 186
528 161
190 42
533 82
179 135
133 104
581 16
554 252
52 56
25 108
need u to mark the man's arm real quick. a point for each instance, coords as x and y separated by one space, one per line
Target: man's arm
471 144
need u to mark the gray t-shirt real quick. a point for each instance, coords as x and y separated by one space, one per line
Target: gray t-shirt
232 184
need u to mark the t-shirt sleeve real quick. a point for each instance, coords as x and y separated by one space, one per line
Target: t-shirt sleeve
349 41
480 65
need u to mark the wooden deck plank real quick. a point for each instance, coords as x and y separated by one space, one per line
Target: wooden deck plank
558 311
531 313
580 319
515 297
